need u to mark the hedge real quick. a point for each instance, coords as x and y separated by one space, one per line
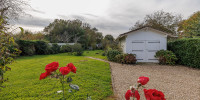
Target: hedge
187 51
26 47
41 47
30 48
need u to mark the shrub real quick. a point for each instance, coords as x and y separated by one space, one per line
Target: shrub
187 51
119 58
66 48
55 48
77 48
166 57
111 54
41 47
129 59
26 47
126 58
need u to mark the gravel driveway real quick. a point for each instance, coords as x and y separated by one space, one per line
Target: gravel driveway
176 82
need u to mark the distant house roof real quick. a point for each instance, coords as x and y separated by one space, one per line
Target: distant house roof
146 27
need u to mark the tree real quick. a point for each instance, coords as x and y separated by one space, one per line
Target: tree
73 31
109 42
163 21
28 35
191 26
12 9
8 51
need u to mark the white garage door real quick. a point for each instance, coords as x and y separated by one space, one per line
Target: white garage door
145 50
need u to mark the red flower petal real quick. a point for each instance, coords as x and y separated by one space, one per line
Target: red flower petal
153 94
44 75
52 67
143 80
72 67
64 70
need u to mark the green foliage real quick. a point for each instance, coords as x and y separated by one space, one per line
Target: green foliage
77 48
187 51
41 47
8 51
24 83
160 20
73 31
27 47
30 48
166 57
66 48
191 26
55 48
111 54
120 58
126 58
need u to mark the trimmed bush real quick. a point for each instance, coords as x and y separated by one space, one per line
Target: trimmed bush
55 48
27 47
41 47
66 48
110 54
187 51
166 57
77 49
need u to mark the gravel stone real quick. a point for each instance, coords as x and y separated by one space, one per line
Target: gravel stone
176 82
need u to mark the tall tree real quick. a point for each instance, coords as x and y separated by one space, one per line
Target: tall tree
160 20
191 26
12 9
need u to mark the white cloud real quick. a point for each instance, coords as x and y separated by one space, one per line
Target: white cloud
109 16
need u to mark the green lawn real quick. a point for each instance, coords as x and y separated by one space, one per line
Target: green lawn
95 54
93 78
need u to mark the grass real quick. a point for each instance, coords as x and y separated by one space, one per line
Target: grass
93 78
95 54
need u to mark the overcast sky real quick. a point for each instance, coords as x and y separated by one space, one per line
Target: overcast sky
109 16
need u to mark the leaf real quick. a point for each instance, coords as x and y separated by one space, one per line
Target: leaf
22 30
73 86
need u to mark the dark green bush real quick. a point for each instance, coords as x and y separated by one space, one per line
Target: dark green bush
26 47
55 48
66 48
41 47
111 54
166 57
187 51
77 48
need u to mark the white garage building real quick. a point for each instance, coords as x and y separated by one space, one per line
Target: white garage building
144 42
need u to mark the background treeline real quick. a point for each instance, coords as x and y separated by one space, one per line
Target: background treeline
71 31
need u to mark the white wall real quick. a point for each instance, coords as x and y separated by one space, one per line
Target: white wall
145 35
123 44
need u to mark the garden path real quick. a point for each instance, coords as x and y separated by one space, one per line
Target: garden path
176 82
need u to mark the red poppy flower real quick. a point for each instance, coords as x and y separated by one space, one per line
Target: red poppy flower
64 70
143 80
153 94
129 94
44 75
72 67
52 67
